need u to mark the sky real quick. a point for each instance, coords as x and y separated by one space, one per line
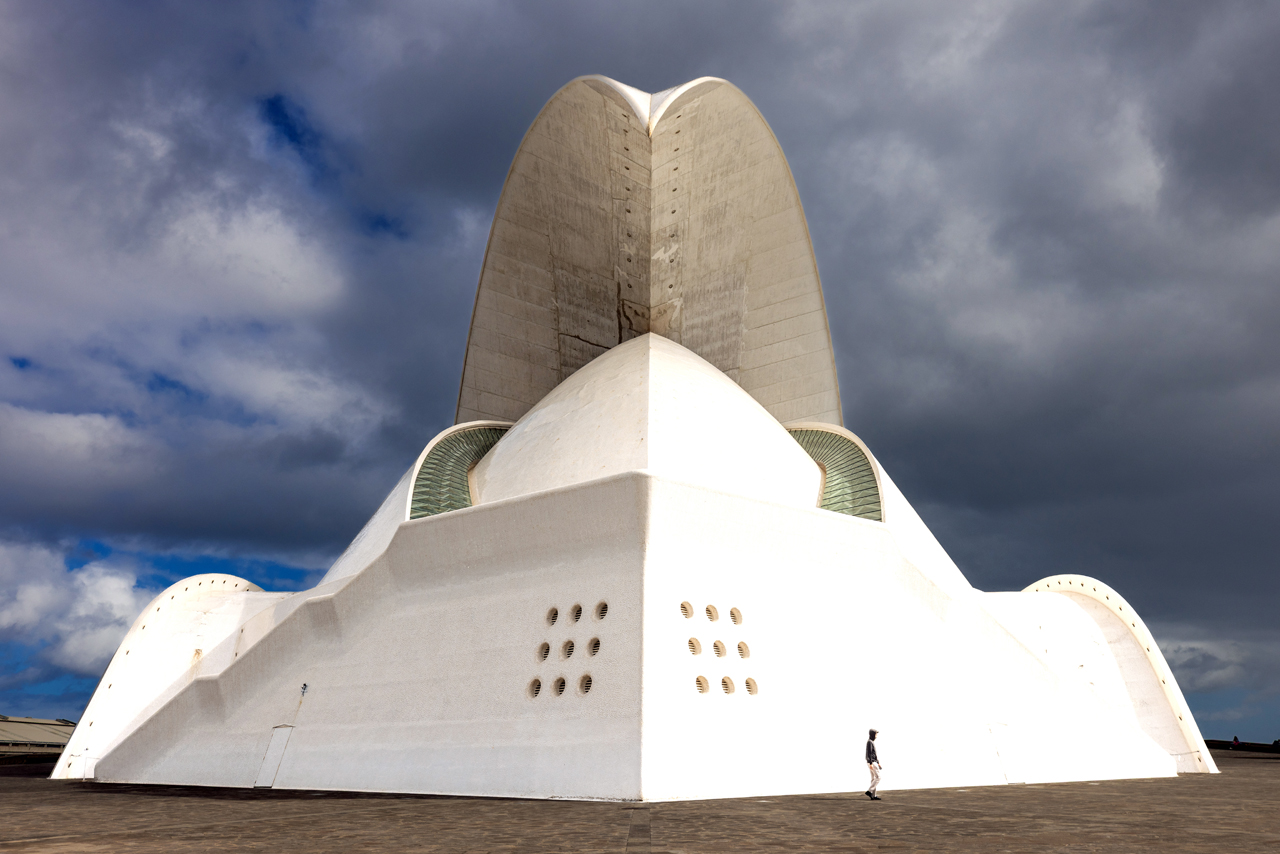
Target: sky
240 241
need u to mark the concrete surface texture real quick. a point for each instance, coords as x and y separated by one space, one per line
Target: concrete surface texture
674 214
645 603
633 592
1231 812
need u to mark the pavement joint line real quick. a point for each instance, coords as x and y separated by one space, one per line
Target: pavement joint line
107 833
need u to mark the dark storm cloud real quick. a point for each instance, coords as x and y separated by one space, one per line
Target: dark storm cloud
239 245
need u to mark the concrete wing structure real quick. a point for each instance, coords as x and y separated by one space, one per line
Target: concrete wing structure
626 213
643 585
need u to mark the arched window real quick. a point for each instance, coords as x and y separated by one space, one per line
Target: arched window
850 485
442 483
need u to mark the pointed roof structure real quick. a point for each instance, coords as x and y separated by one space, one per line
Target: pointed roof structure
626 213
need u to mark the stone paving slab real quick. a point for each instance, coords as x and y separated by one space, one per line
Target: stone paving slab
1235 811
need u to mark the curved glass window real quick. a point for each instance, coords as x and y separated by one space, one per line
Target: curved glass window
441 483
850 486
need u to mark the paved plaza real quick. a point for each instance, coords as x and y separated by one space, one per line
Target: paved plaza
1234 811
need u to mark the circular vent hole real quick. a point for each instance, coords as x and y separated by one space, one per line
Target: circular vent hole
584 684
752 687
567 649
535 688
726 685
695 648
576 613
712 613
552 616
559 686
544 651
602 610
744 651
686 609
703 685
719 648
736 616
594 646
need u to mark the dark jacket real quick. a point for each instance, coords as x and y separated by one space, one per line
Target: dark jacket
871 752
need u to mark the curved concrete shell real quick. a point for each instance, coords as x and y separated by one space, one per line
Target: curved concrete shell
626 213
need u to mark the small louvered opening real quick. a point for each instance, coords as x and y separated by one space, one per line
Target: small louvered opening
736 616
594 646
559 686
602 610
712 613
703 685
695 648
535 688
584 684
567 649
687 610
544 651
552 616
752 688
719 648
743 650
576 613
726 685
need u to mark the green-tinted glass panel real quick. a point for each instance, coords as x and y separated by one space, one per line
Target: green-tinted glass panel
441 484
851 482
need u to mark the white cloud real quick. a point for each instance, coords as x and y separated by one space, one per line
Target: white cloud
81 615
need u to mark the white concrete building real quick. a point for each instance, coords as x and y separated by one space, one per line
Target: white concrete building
648 563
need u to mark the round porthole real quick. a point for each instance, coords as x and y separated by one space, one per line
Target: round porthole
594 646
743 650
687 610
544 651
535 688
695 648
752 687
736 616
559 686
726 685
703 685
552 616
712 613
584 684
602 610
567 649
576 613
719 648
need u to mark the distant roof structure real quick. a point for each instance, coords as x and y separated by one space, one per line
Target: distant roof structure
33 737
626 213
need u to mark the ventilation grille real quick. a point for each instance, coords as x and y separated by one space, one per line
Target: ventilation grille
576 613
567 649
441 483
584 684
850 485
602 610
594 647
687 610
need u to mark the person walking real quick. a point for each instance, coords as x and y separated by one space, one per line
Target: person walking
873 763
